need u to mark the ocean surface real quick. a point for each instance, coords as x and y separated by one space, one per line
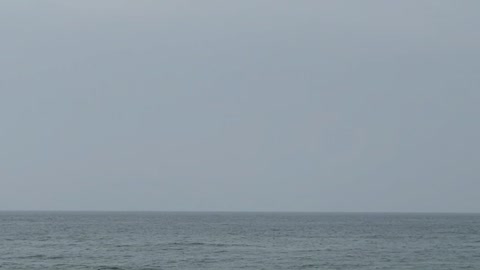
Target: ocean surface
157 240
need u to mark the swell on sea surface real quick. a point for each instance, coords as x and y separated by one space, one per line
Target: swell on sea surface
208 244
146 241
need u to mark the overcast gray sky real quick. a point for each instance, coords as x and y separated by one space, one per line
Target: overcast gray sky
240 105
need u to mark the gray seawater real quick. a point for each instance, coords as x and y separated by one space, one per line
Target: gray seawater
142 240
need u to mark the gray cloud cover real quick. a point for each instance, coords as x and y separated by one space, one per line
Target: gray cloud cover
240 105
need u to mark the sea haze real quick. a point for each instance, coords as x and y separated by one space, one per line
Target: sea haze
362 106
176 240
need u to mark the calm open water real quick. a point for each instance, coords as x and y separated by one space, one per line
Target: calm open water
142 240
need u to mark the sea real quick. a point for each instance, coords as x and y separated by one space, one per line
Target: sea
221 240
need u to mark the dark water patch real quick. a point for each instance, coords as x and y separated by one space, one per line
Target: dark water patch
309 266
36 256
210 244
109 268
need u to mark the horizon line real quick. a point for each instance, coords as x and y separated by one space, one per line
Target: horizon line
246 211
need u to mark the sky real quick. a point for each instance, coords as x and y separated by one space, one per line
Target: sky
242 105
